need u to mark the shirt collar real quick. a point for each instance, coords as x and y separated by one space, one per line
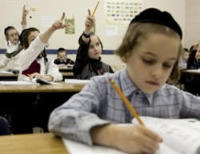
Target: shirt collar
128 86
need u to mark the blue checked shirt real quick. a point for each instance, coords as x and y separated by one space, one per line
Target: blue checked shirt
99 104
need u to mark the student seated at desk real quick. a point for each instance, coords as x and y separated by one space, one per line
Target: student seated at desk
88 59
194 58
184 59
33 59
192 81
62 61
151 49
13 46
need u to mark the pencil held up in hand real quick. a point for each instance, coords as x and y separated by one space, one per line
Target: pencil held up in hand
95 9
126 102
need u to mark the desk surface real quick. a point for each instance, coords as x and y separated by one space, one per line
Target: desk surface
44 143
60 87
192 71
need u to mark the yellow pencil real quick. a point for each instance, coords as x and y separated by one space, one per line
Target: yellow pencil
126 102
95 8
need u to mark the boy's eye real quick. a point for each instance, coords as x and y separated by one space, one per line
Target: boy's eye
148 61
166 65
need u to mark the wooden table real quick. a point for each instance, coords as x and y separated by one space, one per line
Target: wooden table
55 88
8 77
44 143
191 71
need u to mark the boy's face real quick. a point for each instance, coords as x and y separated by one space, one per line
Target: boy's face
62 55
186 55
13 36
150 63
95 48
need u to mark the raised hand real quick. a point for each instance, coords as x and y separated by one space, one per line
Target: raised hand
59 23
89 22
24 11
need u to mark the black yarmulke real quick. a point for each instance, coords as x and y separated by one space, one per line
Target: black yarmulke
153 15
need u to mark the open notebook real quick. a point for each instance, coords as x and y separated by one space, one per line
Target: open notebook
180 137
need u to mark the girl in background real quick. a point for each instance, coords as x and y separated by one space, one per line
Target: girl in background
88 59
40 67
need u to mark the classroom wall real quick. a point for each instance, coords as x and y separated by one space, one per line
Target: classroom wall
48 9
192 26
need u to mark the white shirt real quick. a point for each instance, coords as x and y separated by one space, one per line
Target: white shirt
27 56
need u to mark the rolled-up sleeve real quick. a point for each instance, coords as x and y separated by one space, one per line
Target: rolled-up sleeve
75 118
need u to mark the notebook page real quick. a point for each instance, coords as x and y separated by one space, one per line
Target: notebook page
16 83
79 148
76 81
177 134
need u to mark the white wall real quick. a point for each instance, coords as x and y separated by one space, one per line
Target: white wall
192 22
11 15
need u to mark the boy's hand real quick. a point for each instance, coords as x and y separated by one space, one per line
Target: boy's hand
129 138
89 22
59 23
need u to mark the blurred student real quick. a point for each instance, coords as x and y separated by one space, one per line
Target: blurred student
151 49
88 59
194 57
13 46
62 61
32 62
184 59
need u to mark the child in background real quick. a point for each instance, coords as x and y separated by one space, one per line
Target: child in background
32 61
62 61
194 57
151 49
184 59
41 67
12 43
88 59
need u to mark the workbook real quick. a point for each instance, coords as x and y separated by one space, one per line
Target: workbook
180 136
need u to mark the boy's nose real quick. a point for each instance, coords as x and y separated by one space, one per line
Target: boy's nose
157 72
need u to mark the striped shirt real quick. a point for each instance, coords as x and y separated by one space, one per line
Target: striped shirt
99 104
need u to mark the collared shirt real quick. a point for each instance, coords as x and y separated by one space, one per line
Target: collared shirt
99 104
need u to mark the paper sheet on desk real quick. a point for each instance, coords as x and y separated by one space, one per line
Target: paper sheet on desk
79 148
76 81
17 83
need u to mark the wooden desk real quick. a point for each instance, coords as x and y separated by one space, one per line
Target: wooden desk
57 88
44 143
6 77
68 75
30 105
191 71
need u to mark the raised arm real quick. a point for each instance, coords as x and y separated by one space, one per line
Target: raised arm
24 17
89 24
57 25
82 53
35 48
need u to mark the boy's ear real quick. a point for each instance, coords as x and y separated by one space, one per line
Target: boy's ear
125 57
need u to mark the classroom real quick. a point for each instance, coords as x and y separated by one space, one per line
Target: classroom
99 76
